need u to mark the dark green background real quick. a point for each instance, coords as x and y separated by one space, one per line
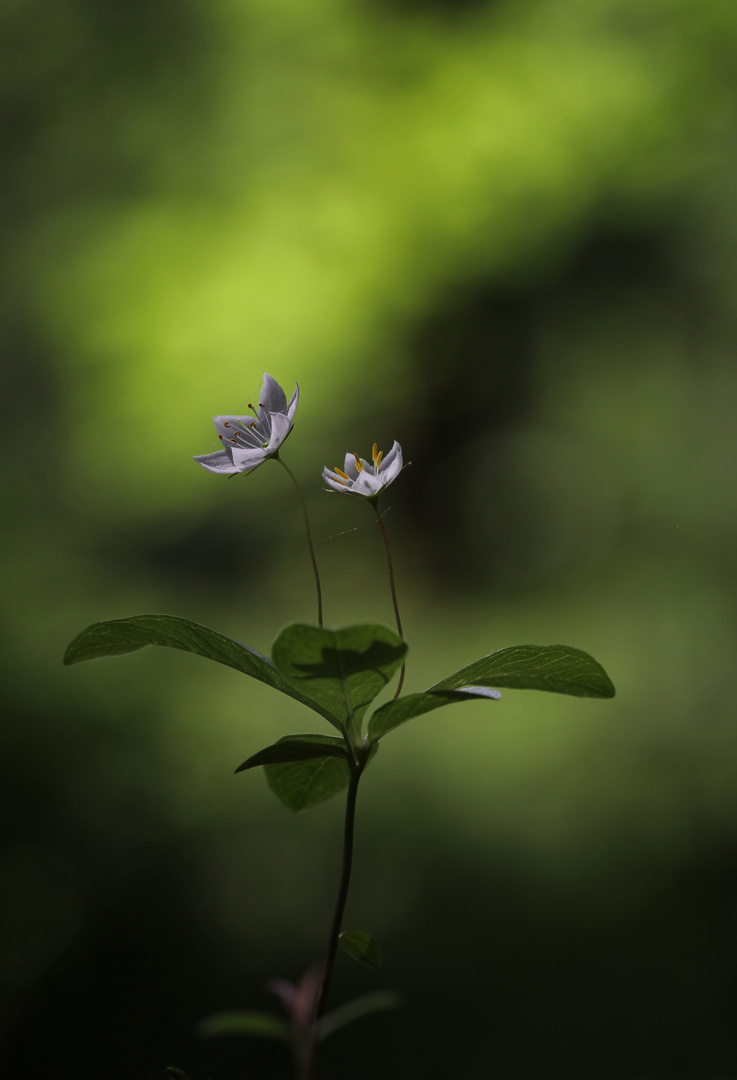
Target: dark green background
504 234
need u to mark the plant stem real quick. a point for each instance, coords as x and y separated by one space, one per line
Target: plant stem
345 879
394 592
309 539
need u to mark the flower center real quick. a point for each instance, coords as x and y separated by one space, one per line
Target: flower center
245 434
376 456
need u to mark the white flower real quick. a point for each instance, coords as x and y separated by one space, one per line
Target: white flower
249 440
357 477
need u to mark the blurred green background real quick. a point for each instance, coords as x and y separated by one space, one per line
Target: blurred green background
505 234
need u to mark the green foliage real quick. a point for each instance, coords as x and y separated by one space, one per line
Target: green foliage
405 708
302 784
238 1022
340 671
361 946
297 748
115 637
354 1010
557 668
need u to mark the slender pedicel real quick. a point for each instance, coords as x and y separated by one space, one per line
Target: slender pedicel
309 539
394 592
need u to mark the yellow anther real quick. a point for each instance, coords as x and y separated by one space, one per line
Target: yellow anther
252 424
226 423
234 439
374 453
342 482
220 436
359 466
378 458
341 473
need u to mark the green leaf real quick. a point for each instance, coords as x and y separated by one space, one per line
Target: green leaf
558 668
236 1022
302 784
354 1010
400 710
119 636
361 946
297 748
340 671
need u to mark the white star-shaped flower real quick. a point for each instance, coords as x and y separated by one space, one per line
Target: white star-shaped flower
249 440
358 477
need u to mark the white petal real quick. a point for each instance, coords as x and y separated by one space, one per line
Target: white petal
395 466
293 402
246 460
389 458
367 485
281 425
350 467
219 462
272 397
335 482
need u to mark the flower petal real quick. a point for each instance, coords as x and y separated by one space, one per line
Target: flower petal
389 458
293 402
335 481
247 459
367 484
350 467
219 462
281 425
272 397
390 469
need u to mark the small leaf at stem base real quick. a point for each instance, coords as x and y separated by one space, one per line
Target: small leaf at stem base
238 1022
354 1010
362 947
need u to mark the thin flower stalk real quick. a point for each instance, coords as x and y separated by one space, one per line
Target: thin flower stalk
368 481
310 545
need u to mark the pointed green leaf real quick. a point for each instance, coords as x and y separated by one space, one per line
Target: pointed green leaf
558 668
361 946
119 636
341 671
302 784
297 748
354 1010
236 1022
405 708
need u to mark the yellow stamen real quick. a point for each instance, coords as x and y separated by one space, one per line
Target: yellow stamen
359 466
342 482
234 439
374 452
252 424
226 423
341 473
379 457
